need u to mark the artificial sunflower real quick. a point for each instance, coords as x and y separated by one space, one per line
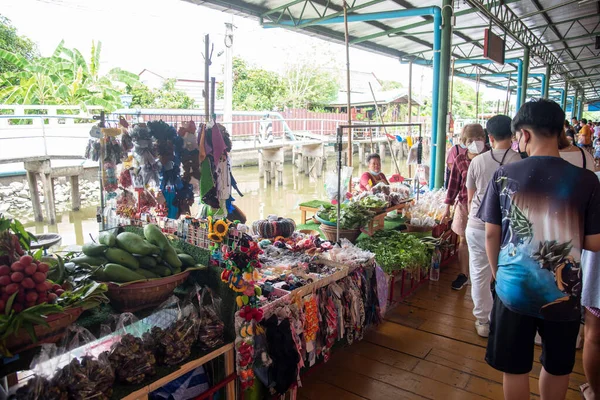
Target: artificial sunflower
221 228
212 235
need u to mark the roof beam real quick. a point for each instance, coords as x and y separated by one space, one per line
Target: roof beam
518 30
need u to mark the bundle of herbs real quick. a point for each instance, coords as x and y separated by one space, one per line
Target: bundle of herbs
353 214
397 251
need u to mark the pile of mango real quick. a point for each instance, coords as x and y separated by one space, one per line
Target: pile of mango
128 257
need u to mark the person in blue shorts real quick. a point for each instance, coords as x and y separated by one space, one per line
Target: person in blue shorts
539 214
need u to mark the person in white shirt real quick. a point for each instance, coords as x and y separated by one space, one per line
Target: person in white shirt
480 173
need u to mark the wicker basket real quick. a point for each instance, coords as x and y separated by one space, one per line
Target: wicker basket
144 294
330 233
57 328
417 228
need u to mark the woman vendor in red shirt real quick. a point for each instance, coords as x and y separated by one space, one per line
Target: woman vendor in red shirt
374 175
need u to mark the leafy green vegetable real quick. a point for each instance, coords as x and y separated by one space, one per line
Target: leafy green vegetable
396 251
353 214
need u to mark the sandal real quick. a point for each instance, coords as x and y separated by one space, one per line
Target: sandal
583 389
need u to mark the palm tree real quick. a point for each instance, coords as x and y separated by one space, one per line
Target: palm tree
63 78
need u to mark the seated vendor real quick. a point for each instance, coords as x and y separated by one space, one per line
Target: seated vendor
374 175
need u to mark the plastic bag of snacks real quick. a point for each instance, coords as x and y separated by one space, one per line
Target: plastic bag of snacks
70 371
331 183
174 332
210 325
131 354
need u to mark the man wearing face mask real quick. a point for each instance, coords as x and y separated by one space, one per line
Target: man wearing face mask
456 196
539 214
480 173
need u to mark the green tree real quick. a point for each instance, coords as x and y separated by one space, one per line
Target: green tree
63 78
166 97
169 97
255 88
11 41
143 96
463 100
308 85
391 85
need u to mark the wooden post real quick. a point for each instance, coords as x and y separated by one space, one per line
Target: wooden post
280 173
261 164
382 151
75 197
361 153
35 196
230 369
319 167
49 196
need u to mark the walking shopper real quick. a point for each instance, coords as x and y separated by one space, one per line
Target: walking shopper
569 131
539 214
480 173
576 124
459 148
457 196
575 155
585 135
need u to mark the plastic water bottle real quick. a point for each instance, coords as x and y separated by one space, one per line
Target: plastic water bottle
434 271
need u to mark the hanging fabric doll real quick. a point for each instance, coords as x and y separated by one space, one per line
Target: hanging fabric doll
144 155
190 157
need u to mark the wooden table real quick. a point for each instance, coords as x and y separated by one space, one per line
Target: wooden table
304 209
226 350
376 224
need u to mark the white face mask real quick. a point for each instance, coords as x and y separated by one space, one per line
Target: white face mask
476 147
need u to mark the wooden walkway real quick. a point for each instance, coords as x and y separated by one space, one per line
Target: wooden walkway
426 348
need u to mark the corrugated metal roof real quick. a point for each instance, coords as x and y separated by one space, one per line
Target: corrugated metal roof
567 28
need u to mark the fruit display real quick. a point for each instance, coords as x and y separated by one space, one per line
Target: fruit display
128 257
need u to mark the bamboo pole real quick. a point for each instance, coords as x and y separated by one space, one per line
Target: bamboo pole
347 40
384 129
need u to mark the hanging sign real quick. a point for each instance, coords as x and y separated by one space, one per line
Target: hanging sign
493 47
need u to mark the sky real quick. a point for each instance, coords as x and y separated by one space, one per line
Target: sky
166 37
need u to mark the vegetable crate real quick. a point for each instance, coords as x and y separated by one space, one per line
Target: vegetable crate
445 232
408 283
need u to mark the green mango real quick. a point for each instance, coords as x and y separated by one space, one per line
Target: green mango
187 260
94 249
147 273
154 235
159 270
122 257
169 255
120 274
107 238
147 261
93 261
135 244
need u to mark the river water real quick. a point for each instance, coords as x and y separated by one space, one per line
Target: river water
258 202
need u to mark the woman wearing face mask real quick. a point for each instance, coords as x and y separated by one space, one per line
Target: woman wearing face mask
374 175
459 148
457 196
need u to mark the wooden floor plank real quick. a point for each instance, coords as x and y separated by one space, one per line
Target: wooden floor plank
315 389
468 335
364 386
426 347
384 355
404 380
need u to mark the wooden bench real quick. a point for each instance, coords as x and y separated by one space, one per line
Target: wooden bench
378 221
310 206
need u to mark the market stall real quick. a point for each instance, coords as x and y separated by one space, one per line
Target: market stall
160 298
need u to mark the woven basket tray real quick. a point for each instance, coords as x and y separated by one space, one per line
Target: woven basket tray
135 296
58 324
350 234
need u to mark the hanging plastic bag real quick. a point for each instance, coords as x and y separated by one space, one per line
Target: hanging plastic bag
131 354
331 182
383 289
175 331
70 370
211 326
